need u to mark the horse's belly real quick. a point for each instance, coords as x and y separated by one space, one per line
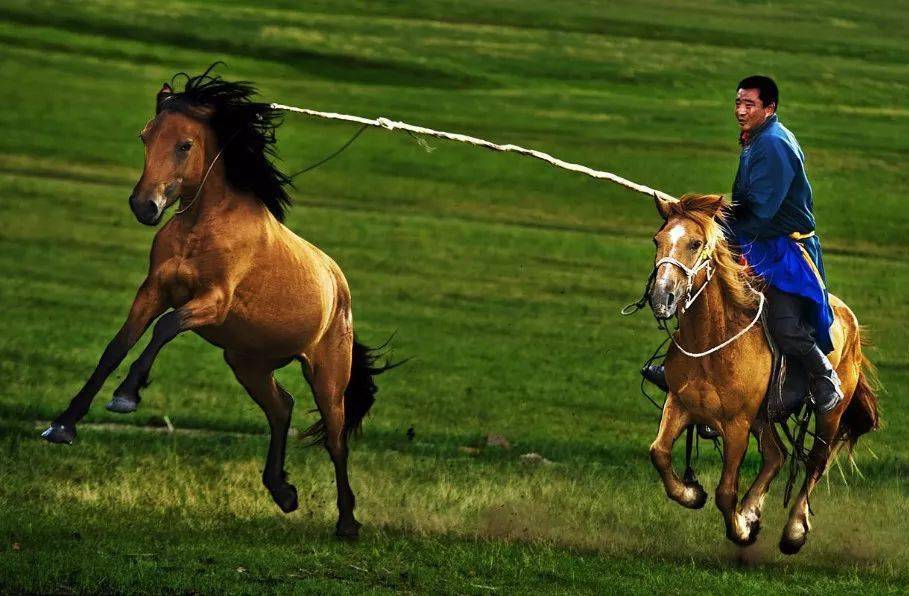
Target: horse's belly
268 338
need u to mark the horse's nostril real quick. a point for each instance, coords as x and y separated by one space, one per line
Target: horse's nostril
670 298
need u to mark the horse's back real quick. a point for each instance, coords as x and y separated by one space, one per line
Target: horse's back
844 330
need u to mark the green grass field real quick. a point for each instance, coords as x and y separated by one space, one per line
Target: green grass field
502 277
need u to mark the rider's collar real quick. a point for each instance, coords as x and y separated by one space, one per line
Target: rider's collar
746 138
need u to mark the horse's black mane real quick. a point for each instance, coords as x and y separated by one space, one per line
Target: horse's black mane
245 130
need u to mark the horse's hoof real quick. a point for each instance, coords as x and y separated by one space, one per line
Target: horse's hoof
349 530
749 539
754 530
286 497
58 433
792 542
790 547
122 404
694 496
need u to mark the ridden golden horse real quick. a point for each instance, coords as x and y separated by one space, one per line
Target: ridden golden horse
234 274
725 388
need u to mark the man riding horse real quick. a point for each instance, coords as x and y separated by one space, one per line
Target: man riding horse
773 226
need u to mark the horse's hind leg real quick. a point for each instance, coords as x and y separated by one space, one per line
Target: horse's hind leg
773 457
672 423
795 534
328 375
257 378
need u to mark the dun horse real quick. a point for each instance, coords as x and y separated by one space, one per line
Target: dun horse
225 267
725 389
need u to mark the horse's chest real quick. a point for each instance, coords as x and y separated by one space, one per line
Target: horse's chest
179 279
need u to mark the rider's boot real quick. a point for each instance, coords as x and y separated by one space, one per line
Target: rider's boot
823 382
656 374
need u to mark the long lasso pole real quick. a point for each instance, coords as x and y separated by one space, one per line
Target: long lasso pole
451 136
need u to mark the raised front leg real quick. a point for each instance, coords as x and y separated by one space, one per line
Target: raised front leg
207 310
674 421
146 306
772 456
735 444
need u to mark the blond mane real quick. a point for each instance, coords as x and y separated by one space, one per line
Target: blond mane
709 213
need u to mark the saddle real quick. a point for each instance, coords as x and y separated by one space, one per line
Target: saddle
788 385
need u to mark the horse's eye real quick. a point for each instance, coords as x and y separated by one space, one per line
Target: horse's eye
695 244
184 147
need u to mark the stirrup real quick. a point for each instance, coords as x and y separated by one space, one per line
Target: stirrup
705 431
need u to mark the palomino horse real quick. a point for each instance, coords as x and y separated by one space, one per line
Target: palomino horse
233 273
725 388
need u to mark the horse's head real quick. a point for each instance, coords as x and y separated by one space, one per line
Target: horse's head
176 145
685 244
212 127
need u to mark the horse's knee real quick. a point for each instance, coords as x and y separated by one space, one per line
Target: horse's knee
660 456
726 499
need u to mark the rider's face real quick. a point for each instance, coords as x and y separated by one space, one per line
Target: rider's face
750 111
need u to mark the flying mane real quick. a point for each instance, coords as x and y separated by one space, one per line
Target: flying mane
245 131
709 213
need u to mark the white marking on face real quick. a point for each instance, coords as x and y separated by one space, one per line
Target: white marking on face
676 234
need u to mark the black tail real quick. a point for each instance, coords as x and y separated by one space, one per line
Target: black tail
361 390
861 415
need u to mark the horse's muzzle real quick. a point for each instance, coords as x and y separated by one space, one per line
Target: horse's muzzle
663 299
147 211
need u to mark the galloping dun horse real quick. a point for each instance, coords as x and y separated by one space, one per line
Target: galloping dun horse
725 389
225 267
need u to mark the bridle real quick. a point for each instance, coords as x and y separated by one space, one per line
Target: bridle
705 258
704 262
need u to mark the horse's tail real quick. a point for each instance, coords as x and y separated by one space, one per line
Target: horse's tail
861 415
361 389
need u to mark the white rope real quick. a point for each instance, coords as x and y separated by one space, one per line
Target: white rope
451 136
754 322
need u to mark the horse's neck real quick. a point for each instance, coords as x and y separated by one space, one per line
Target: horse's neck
212 208
709 321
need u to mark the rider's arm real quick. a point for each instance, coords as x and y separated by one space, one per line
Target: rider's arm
770 177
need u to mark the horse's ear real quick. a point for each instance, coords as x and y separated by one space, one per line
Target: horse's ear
165 91
715 206
662 206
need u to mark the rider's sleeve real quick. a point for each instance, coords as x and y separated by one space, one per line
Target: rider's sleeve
768 183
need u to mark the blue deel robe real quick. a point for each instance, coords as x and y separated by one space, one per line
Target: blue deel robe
771 199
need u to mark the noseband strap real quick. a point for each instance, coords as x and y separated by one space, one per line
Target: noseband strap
704 262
